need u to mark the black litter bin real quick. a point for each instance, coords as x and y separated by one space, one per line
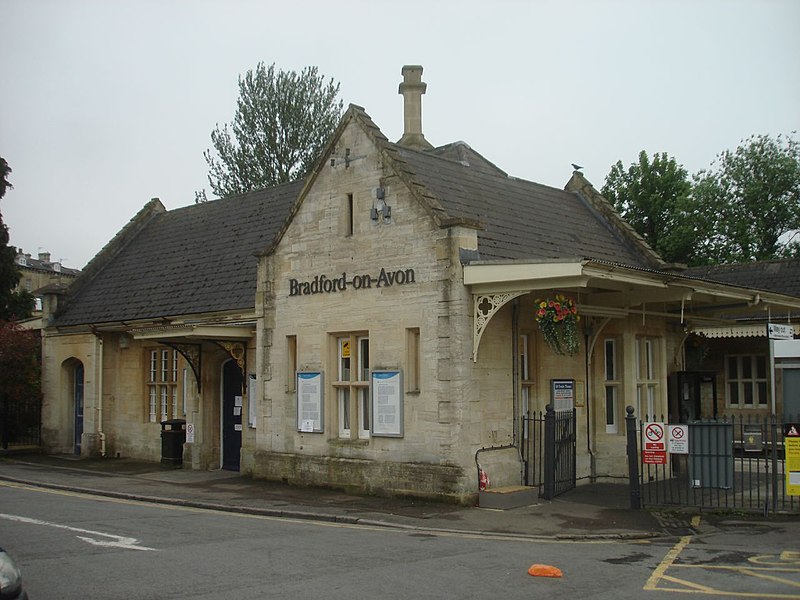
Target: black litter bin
173 436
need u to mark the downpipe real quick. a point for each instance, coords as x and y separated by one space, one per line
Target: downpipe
100 432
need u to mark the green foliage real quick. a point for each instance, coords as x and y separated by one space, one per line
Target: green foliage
654 198
743 208
752 196
20 375
282 122
13 305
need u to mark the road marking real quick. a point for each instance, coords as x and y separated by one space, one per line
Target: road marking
786 562
665 564
317 523
114 541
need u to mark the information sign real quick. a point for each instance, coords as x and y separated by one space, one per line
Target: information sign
791 441
562 393
654 441
678 439
309 402
386 388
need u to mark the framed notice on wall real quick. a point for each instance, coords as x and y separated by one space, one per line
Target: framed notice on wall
562 394
309 401
386 391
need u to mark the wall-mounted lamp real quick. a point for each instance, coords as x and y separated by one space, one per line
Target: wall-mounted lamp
380 208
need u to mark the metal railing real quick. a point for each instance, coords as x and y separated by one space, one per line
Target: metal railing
732 463
20 422
548 451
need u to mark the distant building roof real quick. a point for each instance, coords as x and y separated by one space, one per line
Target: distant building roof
43 264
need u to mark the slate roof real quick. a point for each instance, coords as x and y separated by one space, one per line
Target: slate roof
779 276
521 219
202 258
26 261
196 259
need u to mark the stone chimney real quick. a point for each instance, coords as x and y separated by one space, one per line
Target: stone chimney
44 257
412 89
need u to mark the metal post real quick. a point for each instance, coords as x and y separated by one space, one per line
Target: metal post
549 452
774 423
633 459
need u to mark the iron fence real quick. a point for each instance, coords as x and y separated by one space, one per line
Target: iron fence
731 463
21 422
548 451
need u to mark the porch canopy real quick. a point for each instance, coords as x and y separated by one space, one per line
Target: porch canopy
608 290
188 338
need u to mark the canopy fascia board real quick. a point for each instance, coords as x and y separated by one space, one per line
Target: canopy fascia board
484 278
614 291
195 332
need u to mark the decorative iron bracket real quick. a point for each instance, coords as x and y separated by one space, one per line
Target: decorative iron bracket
237 352
484 308
193 355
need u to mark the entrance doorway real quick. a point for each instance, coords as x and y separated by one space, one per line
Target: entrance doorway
232 382
77 400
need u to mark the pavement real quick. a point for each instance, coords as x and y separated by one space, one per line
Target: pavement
598 511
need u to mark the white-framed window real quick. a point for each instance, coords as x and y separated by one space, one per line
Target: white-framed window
352 386
612 383
526 379
163 385
747 380
646 378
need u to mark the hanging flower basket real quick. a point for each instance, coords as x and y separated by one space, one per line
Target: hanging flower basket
558 321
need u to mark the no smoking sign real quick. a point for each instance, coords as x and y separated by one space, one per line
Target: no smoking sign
678 439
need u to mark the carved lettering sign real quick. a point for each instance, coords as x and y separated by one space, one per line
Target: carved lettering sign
322 284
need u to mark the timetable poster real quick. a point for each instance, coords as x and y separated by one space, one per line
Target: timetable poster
309 401
387 403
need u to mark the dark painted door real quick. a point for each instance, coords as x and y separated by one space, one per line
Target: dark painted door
232 381
77 397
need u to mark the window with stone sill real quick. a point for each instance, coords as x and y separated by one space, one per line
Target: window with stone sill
163 385
352 386
647 374
612 383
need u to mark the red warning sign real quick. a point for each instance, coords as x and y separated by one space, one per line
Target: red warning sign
654 437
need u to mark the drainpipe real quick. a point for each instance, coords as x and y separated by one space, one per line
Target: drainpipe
99 352
589 347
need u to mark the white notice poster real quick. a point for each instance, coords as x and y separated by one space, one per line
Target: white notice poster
386 388
309 402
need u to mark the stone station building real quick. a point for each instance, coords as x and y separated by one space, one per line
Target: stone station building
372 327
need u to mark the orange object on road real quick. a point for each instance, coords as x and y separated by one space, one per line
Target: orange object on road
544 571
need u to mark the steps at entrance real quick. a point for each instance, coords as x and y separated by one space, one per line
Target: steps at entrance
511 496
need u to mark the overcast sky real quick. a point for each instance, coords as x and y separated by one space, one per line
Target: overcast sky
108 103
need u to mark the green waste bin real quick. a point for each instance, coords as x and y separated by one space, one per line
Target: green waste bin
711 454
173 436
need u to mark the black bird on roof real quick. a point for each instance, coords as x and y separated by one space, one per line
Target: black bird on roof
576 167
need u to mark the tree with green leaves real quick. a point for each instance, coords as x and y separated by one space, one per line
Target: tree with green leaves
282 122
752 195
654 196
20 382
13 304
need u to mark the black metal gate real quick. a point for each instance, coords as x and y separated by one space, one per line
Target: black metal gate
548 451
20 422
732 463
